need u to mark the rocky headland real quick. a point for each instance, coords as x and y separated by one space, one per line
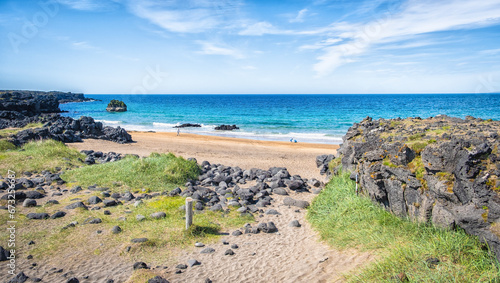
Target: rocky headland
18 109
62 97
442 170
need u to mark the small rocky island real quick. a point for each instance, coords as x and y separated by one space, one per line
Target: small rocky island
226 128
116 106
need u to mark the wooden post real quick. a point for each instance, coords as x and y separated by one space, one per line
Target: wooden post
189 212
357 184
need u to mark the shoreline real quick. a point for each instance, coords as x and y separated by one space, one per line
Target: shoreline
298 158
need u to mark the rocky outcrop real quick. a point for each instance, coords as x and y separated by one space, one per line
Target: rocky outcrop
188 125
442 170
226 128
116 106
61 97
17 109
68 130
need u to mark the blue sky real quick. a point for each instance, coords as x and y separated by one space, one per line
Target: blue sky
242 47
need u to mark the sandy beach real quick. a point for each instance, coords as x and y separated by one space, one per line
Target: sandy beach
298 158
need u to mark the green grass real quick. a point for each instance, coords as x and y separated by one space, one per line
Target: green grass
165 236
158 172
38 156
5 145
13 131
345 220
416 137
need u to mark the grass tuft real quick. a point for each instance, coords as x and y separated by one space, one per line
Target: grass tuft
158 172
38 156
345 220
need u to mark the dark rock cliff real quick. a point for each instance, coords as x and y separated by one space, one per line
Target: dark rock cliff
442 170
18 109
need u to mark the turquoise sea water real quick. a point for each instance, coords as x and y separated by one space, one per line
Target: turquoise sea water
306 118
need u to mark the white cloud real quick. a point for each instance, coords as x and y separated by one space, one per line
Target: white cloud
209 48
249 67
300 17
81 45
185 16
491 51
415 18
88 5
261 28
321 44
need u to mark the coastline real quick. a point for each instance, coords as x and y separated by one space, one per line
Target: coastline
298 158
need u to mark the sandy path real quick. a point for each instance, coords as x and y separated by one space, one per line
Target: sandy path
290 255
298 158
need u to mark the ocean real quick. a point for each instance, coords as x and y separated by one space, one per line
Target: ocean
305 118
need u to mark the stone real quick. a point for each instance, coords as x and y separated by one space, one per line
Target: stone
29 203
95 221
294 223
158 279
442 218
216 207
139 240
76 205
34 195
37 216
207 251
19 278
94 200
193 262
4 254
110 202
139 217
229 252
116 230
75 189
175 192
140 265
298 203
272 212
237 233
234 246
199 245
181 266
158 215
58 214
295 185
73 280
280 191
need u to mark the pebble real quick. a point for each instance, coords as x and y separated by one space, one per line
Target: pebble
294 223
199 245
116 229
207 250
236 233
229 252
181 266
140 265
193 262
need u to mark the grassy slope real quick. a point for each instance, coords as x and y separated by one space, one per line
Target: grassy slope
158 172
39 156
346 220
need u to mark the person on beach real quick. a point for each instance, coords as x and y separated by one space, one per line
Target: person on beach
291 140
178 131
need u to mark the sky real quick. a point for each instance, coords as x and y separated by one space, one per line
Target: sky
250 47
